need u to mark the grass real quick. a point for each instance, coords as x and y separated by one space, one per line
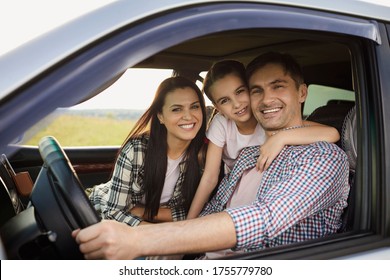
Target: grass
73 130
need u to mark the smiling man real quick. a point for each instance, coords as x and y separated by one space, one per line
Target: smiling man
300 197
277 91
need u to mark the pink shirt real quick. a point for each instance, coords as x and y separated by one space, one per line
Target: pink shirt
246 190
244 194
224 133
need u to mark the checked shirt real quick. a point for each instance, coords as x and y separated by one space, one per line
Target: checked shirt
114 200
301 196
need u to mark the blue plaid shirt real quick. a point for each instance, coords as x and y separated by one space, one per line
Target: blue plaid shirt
301 196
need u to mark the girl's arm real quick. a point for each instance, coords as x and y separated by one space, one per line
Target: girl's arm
206 186
164 214
311 133
208 181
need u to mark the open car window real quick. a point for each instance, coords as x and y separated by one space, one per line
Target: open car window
105 119
321 95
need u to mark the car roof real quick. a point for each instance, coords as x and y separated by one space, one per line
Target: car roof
67 39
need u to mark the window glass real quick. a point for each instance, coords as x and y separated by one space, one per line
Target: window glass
320 95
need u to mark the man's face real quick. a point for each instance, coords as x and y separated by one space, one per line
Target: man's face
275 99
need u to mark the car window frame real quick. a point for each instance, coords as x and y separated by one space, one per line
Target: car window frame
92 67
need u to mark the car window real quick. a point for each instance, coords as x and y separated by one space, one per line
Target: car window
109 116
319 95
328 44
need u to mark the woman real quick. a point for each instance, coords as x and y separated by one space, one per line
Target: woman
157 170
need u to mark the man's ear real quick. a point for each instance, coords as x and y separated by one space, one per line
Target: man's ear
302 93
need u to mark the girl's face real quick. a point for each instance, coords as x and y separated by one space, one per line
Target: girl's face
231 98
181 114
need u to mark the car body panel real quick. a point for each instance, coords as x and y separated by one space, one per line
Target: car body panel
89 59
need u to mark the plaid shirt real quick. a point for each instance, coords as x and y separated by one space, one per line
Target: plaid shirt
114 200
301 196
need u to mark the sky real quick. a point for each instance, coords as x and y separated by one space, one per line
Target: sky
23 20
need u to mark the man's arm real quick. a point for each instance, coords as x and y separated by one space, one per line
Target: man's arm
307 182
114 240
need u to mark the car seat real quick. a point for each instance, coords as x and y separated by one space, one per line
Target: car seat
342 115
332 114
349 145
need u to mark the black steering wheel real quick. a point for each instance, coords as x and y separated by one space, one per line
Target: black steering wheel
60 201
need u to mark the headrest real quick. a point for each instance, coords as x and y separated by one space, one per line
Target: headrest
349 138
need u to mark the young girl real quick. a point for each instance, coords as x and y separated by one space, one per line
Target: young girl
157 172
235 127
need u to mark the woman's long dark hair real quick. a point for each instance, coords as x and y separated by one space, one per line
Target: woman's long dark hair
155 164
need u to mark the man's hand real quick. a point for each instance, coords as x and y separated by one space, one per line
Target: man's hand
114 240
107 240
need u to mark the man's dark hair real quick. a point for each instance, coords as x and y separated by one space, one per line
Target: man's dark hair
289 64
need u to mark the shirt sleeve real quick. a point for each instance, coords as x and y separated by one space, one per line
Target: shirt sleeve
116 197
178 211
317 181
217 130
216 204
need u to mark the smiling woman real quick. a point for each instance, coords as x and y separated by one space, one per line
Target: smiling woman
157 169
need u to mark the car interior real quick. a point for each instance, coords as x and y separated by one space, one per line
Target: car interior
28 229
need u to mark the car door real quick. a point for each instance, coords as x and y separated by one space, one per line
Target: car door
89 68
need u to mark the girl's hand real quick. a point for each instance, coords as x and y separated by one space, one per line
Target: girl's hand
269 151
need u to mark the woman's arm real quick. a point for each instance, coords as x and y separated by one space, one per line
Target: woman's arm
164 214
311 133
121 193
208 181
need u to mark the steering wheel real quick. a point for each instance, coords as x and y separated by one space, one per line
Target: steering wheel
60 201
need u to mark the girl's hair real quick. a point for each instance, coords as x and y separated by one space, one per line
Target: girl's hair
155 164
219 70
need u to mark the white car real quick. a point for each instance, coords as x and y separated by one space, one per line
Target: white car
343 47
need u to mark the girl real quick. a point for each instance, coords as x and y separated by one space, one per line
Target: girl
235 127
157 172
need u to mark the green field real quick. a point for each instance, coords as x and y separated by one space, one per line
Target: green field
74 130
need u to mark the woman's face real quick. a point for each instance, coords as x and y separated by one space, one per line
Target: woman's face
181 115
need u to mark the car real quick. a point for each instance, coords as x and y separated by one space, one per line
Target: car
344 51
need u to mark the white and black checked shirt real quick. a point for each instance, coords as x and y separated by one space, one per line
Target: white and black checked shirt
114 200
300 197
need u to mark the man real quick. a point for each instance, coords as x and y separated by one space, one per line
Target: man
301 196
